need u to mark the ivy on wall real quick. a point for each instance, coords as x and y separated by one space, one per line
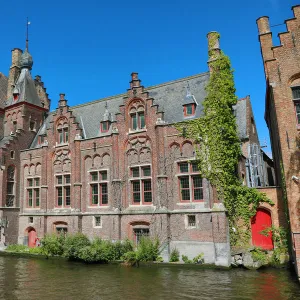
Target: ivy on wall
220 150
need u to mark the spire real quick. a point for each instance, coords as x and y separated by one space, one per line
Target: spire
26 60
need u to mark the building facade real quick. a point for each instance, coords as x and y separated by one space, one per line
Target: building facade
282 113
114 168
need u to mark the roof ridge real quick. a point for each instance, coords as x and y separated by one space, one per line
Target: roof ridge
146 88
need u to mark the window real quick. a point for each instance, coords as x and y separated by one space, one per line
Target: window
137 120
41 139
191 221
99 188
63 190
10 187
33 192
15 126
104 126
97 221
139 233
30 220
63 133
190 182
189 110
31 125
12 154
296 99
141 186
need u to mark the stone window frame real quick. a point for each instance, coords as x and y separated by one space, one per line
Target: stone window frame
296 104
137 114
99 182
141 179
35 190
189 223
11 180
62 129
95 221
63 186
190 173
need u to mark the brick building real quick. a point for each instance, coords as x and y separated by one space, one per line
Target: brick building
282 112
113 168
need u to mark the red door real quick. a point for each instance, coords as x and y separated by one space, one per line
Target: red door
259 222
31 238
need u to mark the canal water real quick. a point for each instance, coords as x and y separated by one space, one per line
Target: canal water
22 278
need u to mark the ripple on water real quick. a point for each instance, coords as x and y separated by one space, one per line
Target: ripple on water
32 279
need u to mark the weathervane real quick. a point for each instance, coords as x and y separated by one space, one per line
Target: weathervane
27 25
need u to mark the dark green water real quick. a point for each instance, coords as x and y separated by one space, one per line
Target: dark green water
22 278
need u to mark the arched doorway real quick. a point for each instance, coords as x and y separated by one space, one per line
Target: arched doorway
31 233
260 222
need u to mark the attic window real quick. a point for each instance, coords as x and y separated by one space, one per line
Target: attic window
104 126
189 110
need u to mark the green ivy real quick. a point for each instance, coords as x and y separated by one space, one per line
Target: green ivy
219 149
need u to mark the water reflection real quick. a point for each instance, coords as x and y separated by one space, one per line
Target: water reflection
51 279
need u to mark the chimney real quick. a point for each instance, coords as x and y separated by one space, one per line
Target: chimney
135 81
14 70
263 25
213 45
62 101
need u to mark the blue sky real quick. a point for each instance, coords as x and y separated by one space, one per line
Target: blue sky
87 49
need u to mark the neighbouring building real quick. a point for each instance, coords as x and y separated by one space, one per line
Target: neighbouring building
282 113
114 168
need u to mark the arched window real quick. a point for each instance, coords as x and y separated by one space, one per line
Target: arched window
62 132
10 190
137 118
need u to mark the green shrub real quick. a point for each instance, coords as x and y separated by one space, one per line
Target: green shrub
259 255
199 259
148 249
52 244
36 250
185 259
17 248
174 256
73 244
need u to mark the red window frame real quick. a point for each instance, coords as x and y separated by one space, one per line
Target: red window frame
63 187
185 110
144 184
190 175
102 188
102 126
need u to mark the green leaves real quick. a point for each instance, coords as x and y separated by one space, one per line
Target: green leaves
219 151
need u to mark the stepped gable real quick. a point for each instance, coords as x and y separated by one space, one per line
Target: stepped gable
3 89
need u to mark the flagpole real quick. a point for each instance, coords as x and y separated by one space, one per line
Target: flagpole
27 23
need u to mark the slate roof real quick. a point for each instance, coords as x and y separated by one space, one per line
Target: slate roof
3 89
169 96
241 118
26 88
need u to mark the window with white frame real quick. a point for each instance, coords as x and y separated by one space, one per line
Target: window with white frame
33 192
97 221
190 182
10 186
99 188
63 190
141 185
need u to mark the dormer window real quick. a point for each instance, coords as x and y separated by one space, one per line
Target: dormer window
63 133
189 110
105 126
137 118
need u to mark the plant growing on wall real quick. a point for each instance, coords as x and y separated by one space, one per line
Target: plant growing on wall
216 133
